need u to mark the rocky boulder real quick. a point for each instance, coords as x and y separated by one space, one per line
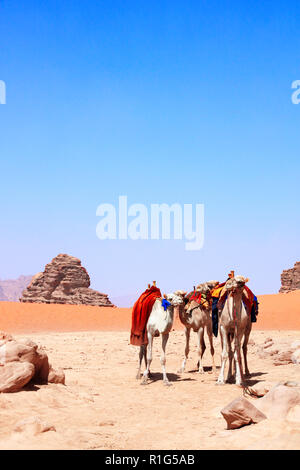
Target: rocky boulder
56 376
290 279
241 412
260 389
64 281
281 352
280 400
15 375
21 362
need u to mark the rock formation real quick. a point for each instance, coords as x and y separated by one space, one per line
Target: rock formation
281 402
290 279
11 289
64 281
281 352
241 412
21 362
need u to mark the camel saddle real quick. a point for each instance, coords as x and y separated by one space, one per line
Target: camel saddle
219 295
140 315
203 299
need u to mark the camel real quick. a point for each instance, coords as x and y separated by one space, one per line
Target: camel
160 322
235 323
198 317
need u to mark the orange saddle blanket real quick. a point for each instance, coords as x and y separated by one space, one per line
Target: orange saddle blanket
140 315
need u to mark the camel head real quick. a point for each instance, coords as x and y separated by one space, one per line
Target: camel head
189 308
176 298
192 304
236 283
183 295
203 288
212 284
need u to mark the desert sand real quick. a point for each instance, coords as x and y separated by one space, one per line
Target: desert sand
103 406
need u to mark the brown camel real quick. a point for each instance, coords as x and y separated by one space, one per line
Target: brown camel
235 323
197 317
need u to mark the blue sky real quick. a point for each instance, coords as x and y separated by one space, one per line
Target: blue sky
169 101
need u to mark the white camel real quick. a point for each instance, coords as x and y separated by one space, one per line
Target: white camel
160 322
235 323
196 317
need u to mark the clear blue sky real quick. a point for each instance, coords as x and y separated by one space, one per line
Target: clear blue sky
162 101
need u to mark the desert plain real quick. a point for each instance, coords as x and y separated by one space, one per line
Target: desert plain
103 406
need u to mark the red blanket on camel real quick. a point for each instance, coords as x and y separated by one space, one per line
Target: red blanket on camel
140 315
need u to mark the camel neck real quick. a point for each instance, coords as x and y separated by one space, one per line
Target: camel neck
237 301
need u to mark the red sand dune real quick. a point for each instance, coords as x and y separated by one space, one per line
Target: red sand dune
279 312
276 312
17 317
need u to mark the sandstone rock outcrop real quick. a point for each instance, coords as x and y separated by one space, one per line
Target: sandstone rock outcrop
290 279
260 389
280 400
21 362
27 351
241 412
15 375
56 376
280 353
64 281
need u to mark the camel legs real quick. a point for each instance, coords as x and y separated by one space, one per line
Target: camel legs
187 349
238 359
230 357
227 353
245 347
224 356
142 354
212 350
201 348
149 358
164 340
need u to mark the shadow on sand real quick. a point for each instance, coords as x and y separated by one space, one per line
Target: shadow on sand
205 368
249 382
30 388
157 376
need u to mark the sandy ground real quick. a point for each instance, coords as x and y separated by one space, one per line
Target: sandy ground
103 406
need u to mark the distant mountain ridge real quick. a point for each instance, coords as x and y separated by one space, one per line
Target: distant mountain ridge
11 289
